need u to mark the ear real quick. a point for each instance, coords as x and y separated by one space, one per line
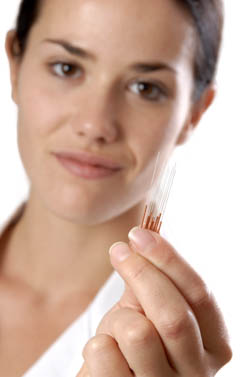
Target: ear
14 58
198 109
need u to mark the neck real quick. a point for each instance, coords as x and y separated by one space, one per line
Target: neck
53 255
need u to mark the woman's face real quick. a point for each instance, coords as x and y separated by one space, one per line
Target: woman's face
109 100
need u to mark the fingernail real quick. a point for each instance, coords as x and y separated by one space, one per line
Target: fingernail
119 251
142 238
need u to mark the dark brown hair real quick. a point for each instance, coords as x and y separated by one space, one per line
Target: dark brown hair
207 17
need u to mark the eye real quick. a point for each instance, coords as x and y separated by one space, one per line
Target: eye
66 70
149 91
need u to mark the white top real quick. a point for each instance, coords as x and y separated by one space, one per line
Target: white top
64 357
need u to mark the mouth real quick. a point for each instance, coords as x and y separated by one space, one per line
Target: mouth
86 165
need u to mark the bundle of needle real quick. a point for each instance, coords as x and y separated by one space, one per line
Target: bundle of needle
158 196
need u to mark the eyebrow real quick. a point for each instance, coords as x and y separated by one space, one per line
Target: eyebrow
74 50
141 67
152 67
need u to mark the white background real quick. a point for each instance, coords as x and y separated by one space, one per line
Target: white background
210 207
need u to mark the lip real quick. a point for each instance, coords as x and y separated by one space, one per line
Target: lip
90 159
87 165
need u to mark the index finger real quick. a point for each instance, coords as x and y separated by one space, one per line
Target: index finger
157 250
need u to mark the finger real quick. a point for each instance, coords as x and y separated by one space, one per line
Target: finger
165 307
139 342
104 358
189 283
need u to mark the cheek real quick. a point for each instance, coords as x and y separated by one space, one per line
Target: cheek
39 109
154 133
39 114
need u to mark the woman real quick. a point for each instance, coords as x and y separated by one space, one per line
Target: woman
101 88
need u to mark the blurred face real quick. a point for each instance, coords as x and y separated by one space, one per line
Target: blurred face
109 78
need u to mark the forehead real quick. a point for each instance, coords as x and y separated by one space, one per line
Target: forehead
131 28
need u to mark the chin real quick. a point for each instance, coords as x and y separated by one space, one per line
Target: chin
85 208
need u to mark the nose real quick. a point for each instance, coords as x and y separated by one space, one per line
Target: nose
94 119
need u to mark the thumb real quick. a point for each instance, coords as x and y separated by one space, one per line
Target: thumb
128 299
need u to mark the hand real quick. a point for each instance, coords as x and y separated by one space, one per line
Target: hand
166 324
